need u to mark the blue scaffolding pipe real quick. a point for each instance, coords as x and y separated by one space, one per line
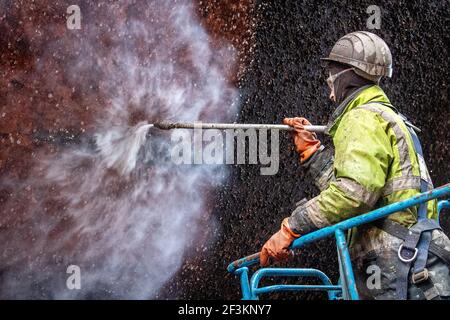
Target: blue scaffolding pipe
347 287
443 204
383 212
345 264
290 272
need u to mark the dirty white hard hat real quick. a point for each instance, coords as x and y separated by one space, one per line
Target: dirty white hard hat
366 52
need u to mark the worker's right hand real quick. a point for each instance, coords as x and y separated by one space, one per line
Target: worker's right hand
306 142
277 247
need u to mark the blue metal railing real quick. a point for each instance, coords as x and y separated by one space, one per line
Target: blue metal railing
347 287
443 204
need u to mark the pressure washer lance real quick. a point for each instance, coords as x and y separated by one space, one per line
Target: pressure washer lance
165 125
126 147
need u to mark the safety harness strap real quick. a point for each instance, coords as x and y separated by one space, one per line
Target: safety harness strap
425 226
403 270
419 237
401 232
430 291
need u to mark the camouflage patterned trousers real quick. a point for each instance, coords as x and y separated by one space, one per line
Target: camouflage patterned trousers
375 271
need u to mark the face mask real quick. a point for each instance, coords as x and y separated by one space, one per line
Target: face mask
330 81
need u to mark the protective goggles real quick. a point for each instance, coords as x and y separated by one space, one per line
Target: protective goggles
332 78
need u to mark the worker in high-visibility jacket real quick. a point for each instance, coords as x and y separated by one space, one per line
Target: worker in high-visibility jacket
374 163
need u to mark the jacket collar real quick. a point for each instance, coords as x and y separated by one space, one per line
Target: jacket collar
365 94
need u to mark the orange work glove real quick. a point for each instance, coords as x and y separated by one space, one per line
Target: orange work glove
277 246
306 142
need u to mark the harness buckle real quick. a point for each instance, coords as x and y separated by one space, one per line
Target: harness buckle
420 276
406 260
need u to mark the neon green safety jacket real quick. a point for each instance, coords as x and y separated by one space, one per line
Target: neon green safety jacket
374 165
